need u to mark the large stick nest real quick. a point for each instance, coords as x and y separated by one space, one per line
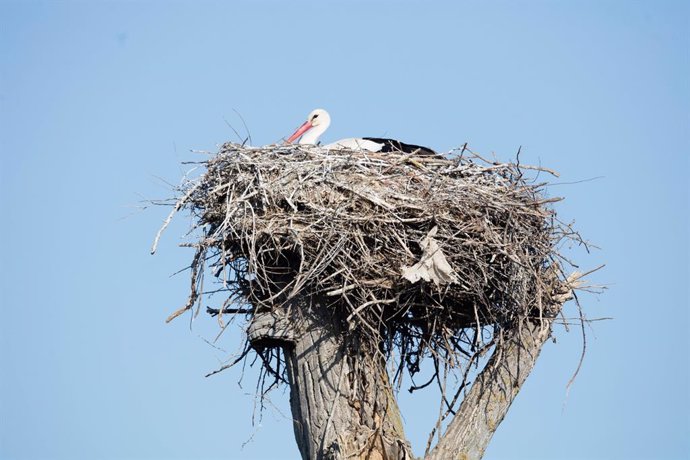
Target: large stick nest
407 248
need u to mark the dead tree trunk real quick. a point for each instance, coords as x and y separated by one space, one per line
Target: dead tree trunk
342 404
341 401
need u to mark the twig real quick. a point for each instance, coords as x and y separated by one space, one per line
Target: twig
181 202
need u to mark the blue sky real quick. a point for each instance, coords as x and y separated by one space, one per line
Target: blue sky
101 101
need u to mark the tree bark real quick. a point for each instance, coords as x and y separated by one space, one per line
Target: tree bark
342 404
341 400
488 400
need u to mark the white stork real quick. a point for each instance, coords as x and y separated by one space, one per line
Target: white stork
318 122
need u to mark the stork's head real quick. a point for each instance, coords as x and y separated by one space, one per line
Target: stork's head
317 122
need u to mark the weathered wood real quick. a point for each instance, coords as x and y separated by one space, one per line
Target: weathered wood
492 393
341 400
342 404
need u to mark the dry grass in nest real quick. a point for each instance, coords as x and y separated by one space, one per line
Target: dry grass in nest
416 253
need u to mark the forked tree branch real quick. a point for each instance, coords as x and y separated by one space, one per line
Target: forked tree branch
339 413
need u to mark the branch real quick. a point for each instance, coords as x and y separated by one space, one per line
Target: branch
494 390
177 207
228 311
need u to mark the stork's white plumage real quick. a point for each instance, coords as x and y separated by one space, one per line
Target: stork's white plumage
318 122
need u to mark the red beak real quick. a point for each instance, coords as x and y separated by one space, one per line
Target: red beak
301 130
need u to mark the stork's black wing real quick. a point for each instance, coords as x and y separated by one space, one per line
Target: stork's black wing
392 145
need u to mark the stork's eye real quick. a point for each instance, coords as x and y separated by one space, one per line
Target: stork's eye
316 115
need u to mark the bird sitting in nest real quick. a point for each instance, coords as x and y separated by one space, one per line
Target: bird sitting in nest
318 122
